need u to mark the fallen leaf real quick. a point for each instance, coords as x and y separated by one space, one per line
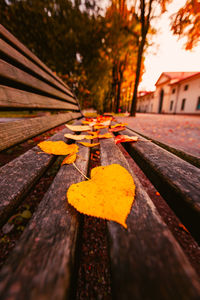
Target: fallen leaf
87 122
70 159
90 137
88 144
100 126
183 227
116 129
58 147
95 133
106 123
119 125
102 119
75 136
125 138
78 127
105 136
26 214
109 194
92 124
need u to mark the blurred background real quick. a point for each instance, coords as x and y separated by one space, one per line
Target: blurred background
107 51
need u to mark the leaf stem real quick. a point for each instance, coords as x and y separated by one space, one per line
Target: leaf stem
80 172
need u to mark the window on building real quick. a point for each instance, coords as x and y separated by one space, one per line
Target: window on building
173 91
171 105
198 104
183 104
186 87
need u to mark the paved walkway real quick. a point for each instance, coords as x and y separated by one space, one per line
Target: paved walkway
181 132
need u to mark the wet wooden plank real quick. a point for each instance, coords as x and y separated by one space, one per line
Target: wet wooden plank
177 180
17 76
12 133
13 98
7 36
42 264
15 56
146 260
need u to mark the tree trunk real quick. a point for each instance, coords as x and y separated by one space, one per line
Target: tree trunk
113 88
137 77
118 96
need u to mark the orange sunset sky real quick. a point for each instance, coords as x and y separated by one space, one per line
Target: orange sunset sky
170 56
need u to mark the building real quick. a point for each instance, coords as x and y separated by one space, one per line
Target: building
145 102
176 93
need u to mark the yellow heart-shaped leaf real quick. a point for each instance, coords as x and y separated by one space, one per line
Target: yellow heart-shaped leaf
109 194
58 147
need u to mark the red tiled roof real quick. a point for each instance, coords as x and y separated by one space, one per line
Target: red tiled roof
175 77
187 76
144 93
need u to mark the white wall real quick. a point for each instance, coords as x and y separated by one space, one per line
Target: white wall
165 105
145 103
150 103
191 95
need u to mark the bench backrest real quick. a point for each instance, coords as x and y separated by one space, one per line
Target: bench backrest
27 84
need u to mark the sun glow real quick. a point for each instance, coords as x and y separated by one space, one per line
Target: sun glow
170 55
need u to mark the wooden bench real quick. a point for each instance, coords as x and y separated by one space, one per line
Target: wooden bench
146 261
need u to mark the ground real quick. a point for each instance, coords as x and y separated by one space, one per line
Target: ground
182 132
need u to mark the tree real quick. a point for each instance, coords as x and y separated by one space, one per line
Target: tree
186 23
65 34
145 11
121 47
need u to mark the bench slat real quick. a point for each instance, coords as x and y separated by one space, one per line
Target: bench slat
13 98
146 260
10 53
18 176
12 133
7 36
17 76
177 180
41 265
194 160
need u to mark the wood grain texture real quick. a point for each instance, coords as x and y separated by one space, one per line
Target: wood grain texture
13 98
7 36
41 266
16 75
146 260
176 180
16 57
18 176
12 133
